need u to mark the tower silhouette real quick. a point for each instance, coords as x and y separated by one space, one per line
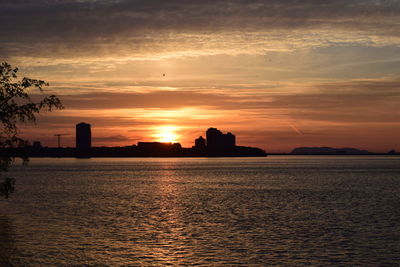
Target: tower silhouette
83 140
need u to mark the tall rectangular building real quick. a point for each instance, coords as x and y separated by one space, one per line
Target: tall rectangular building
83 139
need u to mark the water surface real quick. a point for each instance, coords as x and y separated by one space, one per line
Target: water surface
279 210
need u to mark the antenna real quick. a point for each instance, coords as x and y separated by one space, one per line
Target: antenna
59 139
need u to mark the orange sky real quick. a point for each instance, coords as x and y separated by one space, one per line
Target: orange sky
277 74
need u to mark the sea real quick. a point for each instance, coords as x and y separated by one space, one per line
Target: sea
272 211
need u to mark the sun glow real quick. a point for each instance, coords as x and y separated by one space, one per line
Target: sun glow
167 134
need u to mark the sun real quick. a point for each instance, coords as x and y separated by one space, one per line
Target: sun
167 134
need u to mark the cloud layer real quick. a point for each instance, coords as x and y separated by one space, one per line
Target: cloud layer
155 27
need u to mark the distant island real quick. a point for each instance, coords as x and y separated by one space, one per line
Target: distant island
216 144
335 151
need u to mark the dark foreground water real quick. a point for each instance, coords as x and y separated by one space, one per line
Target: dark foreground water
289 211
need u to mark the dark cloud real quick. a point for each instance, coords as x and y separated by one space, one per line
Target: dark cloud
81 26
155 99
58 120
347 102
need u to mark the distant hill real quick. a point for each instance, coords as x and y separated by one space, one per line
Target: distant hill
328 151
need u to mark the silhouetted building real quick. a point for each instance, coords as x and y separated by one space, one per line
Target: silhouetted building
229 140
37 145
83 140
159 149
219 142
200 143
213 136
157 145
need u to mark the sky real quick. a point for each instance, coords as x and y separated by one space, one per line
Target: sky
277 74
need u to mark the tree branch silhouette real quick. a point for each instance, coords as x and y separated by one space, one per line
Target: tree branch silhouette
16 106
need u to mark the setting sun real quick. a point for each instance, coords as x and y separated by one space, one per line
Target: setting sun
167 134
